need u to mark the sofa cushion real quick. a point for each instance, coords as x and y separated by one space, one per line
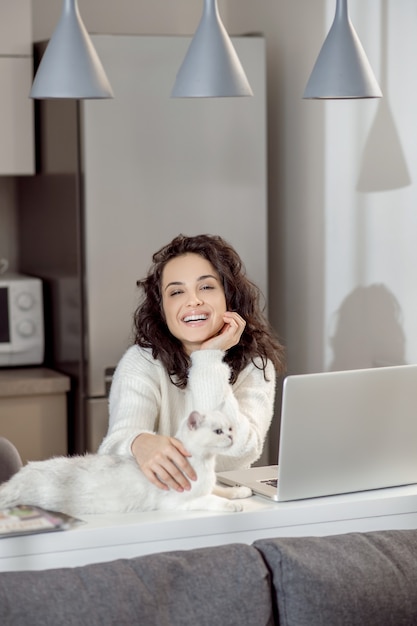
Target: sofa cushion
357 579
227 585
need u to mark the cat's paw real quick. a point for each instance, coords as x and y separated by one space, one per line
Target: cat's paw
242 492
231 505
232 493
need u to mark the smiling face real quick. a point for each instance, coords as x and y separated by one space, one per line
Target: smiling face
193 300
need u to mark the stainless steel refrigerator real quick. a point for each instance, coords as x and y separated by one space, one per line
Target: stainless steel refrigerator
116 180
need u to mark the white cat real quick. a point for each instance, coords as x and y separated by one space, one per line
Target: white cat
99 483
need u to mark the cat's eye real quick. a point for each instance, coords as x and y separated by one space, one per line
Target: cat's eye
218 431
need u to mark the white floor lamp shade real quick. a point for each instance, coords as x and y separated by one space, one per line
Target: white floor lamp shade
211 67
342 69
70 66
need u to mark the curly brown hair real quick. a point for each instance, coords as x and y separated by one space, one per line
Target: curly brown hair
258 341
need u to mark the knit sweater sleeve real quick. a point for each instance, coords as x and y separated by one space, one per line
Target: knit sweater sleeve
249 401
134 402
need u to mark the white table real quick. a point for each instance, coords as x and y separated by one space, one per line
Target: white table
108 537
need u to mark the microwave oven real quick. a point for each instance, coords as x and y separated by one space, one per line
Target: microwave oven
21 320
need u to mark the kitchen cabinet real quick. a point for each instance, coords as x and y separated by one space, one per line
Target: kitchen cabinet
17 147
33 411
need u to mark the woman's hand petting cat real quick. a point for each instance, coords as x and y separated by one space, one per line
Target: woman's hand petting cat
163 460
229 335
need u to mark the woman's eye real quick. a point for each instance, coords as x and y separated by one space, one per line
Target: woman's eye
207 287
176 292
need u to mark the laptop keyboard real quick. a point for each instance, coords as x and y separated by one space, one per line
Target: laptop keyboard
272 482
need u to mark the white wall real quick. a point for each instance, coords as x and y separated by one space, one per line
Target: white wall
342 175
294 31
343 205
371 205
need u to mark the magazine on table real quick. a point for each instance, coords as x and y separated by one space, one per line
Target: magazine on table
27 520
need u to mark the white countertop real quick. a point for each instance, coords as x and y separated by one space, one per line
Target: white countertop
108 537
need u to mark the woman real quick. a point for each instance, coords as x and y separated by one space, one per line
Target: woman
201 343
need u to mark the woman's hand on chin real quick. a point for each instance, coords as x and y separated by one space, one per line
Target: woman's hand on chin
229 335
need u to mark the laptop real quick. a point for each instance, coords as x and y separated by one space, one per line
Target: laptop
341 432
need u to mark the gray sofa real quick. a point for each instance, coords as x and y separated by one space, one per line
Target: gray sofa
366 579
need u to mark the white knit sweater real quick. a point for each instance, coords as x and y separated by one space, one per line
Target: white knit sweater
143 399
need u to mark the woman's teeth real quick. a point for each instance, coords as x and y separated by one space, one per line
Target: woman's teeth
195 318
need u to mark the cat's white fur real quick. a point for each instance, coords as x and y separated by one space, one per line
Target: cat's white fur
99 483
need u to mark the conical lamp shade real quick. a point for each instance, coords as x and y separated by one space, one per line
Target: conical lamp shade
342 69
211 68
70 67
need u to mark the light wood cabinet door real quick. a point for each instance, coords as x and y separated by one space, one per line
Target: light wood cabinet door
17 149
16 27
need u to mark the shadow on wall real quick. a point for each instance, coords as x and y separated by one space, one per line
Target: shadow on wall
368 330
383 162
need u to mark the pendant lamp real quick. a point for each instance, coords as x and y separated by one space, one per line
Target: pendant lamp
211 67
70 66
342 69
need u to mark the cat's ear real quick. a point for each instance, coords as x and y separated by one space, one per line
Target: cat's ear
195 419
